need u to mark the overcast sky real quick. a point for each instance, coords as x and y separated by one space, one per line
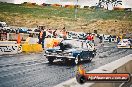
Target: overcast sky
126 3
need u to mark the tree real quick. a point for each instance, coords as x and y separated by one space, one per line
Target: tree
114 3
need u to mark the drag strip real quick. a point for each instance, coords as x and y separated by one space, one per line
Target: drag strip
33 70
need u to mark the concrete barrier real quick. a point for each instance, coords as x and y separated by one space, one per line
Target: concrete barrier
10 49
32 48
122 65
31 45
8 42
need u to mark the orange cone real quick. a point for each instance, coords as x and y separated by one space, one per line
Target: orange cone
18 39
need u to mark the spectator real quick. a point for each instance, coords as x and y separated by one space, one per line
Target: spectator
64 33
42 36
92 38
54 33
50 31
118 39
129 39
110 38
30 35
101 39
89 37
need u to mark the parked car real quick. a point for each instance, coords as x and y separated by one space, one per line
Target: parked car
106 38
73 35
31 30
4 26
82 36
124 43
23 30
37 30
74 50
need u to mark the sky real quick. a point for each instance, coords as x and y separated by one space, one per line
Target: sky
126 3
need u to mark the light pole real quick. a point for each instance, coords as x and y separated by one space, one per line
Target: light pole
76 5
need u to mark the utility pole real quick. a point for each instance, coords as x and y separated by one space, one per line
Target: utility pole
76 5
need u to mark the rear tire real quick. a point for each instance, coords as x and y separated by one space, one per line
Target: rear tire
65 60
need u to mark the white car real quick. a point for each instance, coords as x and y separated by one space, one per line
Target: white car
124 43
4 26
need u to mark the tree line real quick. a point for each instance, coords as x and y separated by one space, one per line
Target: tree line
106 3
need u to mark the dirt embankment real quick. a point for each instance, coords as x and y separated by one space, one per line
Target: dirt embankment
102 26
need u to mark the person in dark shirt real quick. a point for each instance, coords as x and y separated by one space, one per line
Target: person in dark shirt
110 38
54 33
118 39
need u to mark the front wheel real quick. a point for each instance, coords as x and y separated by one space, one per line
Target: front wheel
90 59
65 60
77 60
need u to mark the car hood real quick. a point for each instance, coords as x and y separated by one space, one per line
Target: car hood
72 50
53 49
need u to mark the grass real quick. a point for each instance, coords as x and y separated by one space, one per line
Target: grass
109 22
48 12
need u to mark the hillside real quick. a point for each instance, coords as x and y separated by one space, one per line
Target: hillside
88 20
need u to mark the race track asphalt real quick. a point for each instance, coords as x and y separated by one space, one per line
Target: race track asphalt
33 70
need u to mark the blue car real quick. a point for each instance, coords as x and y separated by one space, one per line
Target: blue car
23 30
73 50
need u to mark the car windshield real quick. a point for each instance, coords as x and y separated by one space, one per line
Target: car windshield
24 29
75 43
